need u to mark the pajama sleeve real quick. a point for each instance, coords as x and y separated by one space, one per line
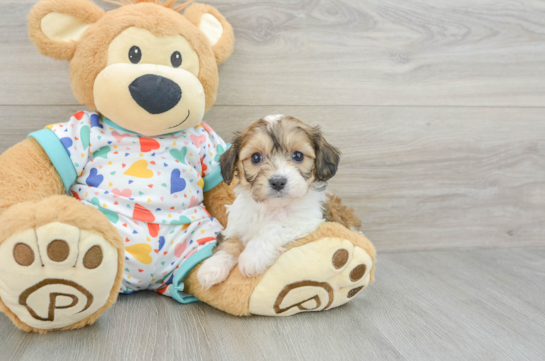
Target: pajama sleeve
210 153
67 145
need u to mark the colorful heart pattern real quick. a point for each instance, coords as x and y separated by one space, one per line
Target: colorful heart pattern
158 180
198 140
119 137
67 143
153 229
94 179
139 169
177 183
111 215
148 144
141 252
181 220
102 152
220 150
153 254
179 155
95 121
179 249
127 193
85 135
143 214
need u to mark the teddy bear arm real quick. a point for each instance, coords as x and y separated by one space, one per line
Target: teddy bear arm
217 198
27 175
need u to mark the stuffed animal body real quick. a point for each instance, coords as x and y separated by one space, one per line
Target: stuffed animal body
150 188
129 195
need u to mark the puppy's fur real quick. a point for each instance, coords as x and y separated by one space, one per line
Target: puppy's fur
279 199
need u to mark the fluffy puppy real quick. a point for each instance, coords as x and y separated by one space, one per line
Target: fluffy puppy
282 166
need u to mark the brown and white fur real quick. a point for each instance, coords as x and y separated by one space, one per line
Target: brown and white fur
282 166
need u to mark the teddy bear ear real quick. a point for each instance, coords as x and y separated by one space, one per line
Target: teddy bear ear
55 26
218 31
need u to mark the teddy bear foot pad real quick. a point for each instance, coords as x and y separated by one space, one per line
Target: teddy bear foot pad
317 276
56 275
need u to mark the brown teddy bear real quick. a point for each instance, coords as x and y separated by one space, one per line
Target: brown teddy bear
129 196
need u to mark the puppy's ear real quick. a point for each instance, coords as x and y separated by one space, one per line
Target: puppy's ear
327 156
55 26
228 160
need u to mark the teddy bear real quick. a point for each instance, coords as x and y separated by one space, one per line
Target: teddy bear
128 195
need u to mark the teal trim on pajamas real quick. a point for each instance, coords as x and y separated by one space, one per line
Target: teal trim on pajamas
118 127
214 178
58 155
181 273
113 125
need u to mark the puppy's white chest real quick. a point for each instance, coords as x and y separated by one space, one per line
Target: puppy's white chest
249 220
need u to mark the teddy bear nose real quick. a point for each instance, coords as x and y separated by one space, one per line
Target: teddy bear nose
154 93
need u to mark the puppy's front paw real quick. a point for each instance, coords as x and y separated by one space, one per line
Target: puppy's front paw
215 270
255 262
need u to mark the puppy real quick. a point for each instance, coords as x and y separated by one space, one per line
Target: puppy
282 166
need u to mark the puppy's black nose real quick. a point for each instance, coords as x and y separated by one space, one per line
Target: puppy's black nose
154 93
278 183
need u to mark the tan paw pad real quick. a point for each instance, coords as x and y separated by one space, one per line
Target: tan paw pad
56 275
317 276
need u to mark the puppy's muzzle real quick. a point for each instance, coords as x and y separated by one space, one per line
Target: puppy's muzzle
155 94
278 182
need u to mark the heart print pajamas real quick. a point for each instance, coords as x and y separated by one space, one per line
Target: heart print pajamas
151 189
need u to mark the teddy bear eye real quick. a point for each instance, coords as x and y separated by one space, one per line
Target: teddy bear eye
135 54
176 59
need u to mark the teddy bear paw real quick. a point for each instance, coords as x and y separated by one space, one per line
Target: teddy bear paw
317 276
56 275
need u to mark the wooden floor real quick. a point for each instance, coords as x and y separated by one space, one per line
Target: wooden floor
439 110
440 305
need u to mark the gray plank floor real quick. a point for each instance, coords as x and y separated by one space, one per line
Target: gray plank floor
467 305
438 108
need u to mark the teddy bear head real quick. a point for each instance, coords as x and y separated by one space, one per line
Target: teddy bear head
144 65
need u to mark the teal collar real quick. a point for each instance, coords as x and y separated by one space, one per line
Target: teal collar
113 125
118 127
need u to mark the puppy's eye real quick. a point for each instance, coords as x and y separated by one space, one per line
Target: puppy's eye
176 59
256 158
297 156
135 54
